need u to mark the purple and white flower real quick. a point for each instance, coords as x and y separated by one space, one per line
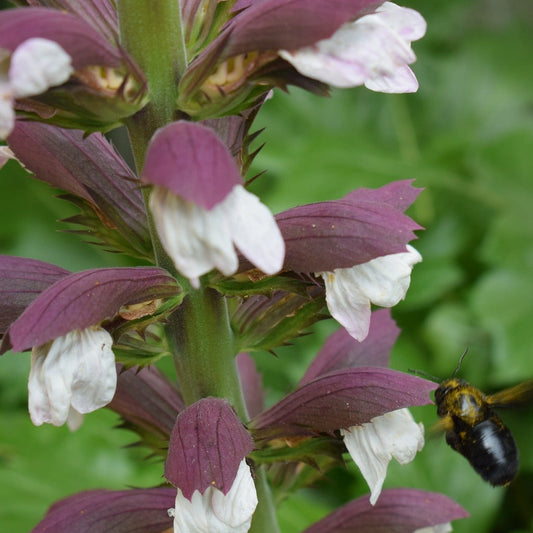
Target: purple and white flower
59 316
202 212
373 50
359 245
199 239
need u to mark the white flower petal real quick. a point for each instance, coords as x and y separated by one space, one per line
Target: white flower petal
36 65
7 113
74 419
95 379
347 306
49 391
76 371
254 230
407 23
382 281
5 155
373 50
197 240
440 528
238 505
320 64
215 512
402 80
374 444
385 280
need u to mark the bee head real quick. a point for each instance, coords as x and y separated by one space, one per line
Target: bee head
447 388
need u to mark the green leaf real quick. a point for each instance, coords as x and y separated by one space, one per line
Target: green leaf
93 457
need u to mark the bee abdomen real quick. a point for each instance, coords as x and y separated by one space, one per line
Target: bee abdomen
490 448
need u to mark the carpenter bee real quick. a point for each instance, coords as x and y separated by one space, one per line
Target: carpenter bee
474 429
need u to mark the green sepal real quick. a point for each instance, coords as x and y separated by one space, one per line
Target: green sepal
140 349
97 232
287 478
275 321
207 24
202 106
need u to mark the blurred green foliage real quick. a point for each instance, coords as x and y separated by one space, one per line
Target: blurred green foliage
467 138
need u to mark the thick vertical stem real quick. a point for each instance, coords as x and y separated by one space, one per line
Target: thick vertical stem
151 32
205 355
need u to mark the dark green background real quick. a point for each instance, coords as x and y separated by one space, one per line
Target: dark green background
467 138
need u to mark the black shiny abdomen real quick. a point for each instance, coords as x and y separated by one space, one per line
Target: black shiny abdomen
489 447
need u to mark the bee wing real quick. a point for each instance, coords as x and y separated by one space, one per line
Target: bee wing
520 394
441 426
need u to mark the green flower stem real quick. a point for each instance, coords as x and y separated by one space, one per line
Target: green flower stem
152 33
205 353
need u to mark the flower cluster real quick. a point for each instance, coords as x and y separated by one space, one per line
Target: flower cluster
227 277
